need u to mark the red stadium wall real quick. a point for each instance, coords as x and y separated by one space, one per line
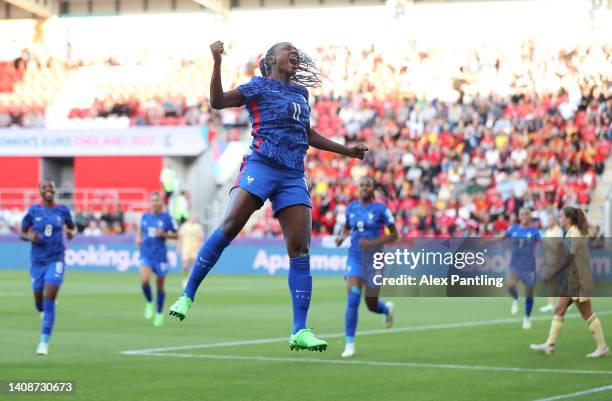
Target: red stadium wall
118 172
19 172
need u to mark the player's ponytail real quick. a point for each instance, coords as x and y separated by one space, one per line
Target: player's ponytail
578 219
264 66
307 74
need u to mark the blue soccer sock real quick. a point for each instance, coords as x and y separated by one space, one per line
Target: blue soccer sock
300 286
352 312
207 257
381 307
146 289
48 319
513 293
161 295
528 306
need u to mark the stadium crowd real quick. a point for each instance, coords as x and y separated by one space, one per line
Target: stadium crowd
459 142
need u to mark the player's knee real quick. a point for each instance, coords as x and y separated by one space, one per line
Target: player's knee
230 226
298 248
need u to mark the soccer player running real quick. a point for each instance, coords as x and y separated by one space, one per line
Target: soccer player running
43 225
365 223
277 103
190 237
579 284
155 228
523 262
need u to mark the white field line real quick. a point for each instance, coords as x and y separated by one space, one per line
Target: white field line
578 393
385 363
439 326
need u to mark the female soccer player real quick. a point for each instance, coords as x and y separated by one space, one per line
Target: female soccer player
365 221
43 225
155 226
579 284
191 235
523 262
279 112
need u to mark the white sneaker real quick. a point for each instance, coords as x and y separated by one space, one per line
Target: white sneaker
599 352
349 350
546 348
515 307
547 308
526 323
389 315
43 348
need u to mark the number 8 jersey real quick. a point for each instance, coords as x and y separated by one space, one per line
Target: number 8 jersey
280 116
366 221
49 223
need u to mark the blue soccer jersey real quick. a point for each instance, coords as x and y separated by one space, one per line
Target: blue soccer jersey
366 221
280 115
153 248
49 223
524 241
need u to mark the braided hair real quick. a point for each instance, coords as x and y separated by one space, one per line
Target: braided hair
307 74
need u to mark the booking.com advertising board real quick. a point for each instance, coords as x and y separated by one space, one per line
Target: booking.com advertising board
244 256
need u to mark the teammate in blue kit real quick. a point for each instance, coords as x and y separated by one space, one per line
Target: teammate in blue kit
43 225
523 262
155 227
365 222
278 108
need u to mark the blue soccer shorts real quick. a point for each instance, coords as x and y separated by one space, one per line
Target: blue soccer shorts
361 266
527 276
159 268
265 180
42 274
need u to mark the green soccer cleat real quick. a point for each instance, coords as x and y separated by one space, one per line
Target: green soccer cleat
159 320
149 311
181 307
305 339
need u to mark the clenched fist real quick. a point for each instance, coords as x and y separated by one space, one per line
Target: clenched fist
217 51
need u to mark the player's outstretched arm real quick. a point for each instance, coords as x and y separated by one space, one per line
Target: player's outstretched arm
219 99
318 141
346 231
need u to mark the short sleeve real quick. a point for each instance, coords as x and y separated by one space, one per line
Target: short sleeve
387 216
170 224
67 217
26 223
509 232
251 89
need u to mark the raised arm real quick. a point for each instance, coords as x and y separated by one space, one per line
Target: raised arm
318 141
219 99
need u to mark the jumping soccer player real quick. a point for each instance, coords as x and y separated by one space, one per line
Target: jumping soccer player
155 226
279 112
43 225
523 262
365 222
578 286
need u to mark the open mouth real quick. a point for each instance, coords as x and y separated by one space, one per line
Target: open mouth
294 61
